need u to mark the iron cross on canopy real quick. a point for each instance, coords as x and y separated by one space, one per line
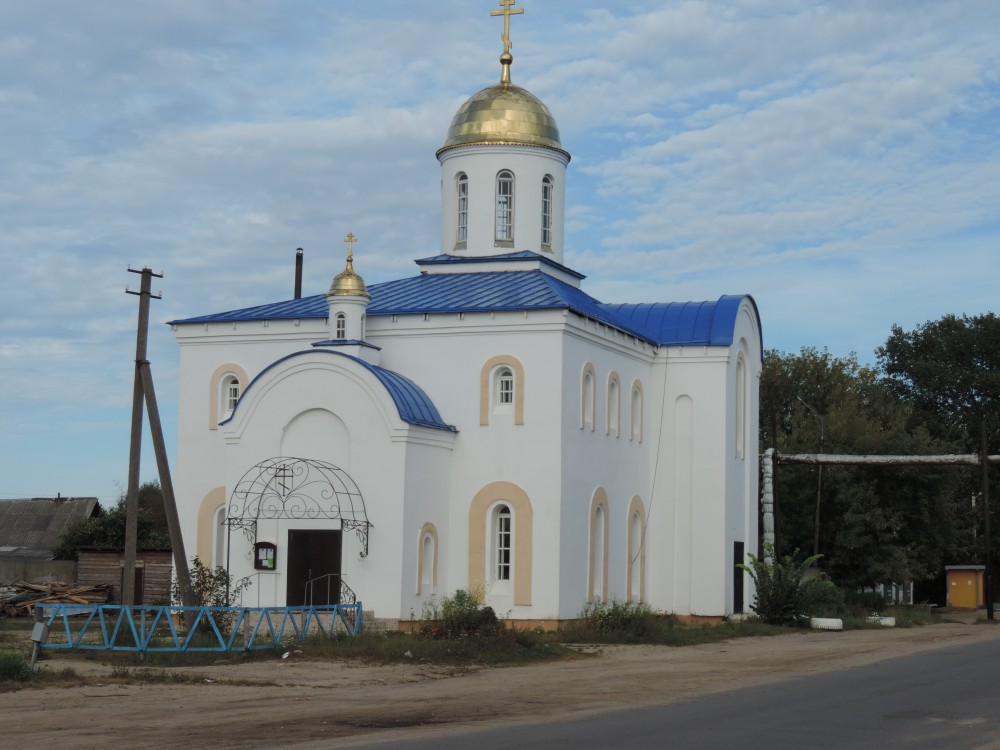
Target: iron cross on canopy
350 239
507 12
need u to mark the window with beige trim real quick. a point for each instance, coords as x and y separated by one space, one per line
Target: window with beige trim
597 574
219 538
614 406
635 413
500 520
636 573
588 398
501 389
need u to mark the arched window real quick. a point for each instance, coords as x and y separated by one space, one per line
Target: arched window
547 211
505 388
587 398
635 413
741 405
463 209
505 207
501 388
614 406
219 527
598 569
230 393
636 551
503 545
341 326
362 327
427 560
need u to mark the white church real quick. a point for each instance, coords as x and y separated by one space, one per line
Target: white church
484 424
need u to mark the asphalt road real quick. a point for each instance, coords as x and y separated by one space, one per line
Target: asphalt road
943 699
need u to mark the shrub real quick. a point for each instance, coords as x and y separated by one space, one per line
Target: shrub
13 668
614 620
783 594
461 614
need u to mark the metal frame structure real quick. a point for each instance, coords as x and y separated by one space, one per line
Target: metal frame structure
116 627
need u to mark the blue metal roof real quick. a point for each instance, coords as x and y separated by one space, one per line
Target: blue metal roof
709 323
685 323
413 405
504 258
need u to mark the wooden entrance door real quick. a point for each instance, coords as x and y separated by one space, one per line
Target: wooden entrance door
313 556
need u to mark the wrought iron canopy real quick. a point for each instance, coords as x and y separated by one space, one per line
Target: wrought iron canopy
298 489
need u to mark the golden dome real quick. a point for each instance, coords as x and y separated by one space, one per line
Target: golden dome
503 114
347 283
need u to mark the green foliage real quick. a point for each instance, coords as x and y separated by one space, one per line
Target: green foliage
877 523
461 614
626 621
783 596
106 530
209 586
13 667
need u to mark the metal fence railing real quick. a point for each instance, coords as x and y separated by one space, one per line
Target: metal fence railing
117 627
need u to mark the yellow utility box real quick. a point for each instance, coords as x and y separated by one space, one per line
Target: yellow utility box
965 586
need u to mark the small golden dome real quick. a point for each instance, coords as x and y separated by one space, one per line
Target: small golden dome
503 114
347 283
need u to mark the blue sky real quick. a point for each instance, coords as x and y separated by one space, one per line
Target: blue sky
840 161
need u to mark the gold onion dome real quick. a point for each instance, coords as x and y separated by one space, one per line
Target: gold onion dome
347 283
503 114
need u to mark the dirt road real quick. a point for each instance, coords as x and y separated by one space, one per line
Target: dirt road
288 703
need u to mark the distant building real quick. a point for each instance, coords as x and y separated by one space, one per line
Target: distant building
30 527
485 423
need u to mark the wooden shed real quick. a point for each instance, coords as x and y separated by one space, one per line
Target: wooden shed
153 570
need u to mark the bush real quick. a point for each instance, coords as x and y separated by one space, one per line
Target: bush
783 594
14 668
461 614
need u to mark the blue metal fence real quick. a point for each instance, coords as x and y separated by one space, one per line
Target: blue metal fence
117 627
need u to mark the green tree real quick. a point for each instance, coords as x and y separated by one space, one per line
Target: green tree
948 370
106 530
877 524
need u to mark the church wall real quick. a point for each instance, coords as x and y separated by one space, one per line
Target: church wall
594 460
446 355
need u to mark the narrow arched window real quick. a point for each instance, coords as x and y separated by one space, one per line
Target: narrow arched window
635 409
547 211
502 544
230 394
505 206
427 564
219 538
587 398
463 208
505 387
362 327
341 326
597 592
614 407
635 558
741 405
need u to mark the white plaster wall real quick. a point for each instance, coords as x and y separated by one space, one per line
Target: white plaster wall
481 164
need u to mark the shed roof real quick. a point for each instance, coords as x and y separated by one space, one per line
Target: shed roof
30 527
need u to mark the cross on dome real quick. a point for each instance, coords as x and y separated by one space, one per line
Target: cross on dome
507 12
350 239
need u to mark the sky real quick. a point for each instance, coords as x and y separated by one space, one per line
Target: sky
839 161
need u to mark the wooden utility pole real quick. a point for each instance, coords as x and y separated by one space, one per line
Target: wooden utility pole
143 390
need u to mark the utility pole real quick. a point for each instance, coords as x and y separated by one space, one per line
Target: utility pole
984 458
143 391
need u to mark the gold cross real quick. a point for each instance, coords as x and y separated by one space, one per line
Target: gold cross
507 12
350 239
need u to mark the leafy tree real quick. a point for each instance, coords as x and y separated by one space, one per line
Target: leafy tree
106 530
877 524
782 592
948 371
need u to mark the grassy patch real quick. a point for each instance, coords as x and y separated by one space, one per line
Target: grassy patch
632 622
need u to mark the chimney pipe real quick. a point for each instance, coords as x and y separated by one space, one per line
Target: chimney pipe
298 273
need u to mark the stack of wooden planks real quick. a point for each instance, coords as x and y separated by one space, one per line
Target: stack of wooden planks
19 599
